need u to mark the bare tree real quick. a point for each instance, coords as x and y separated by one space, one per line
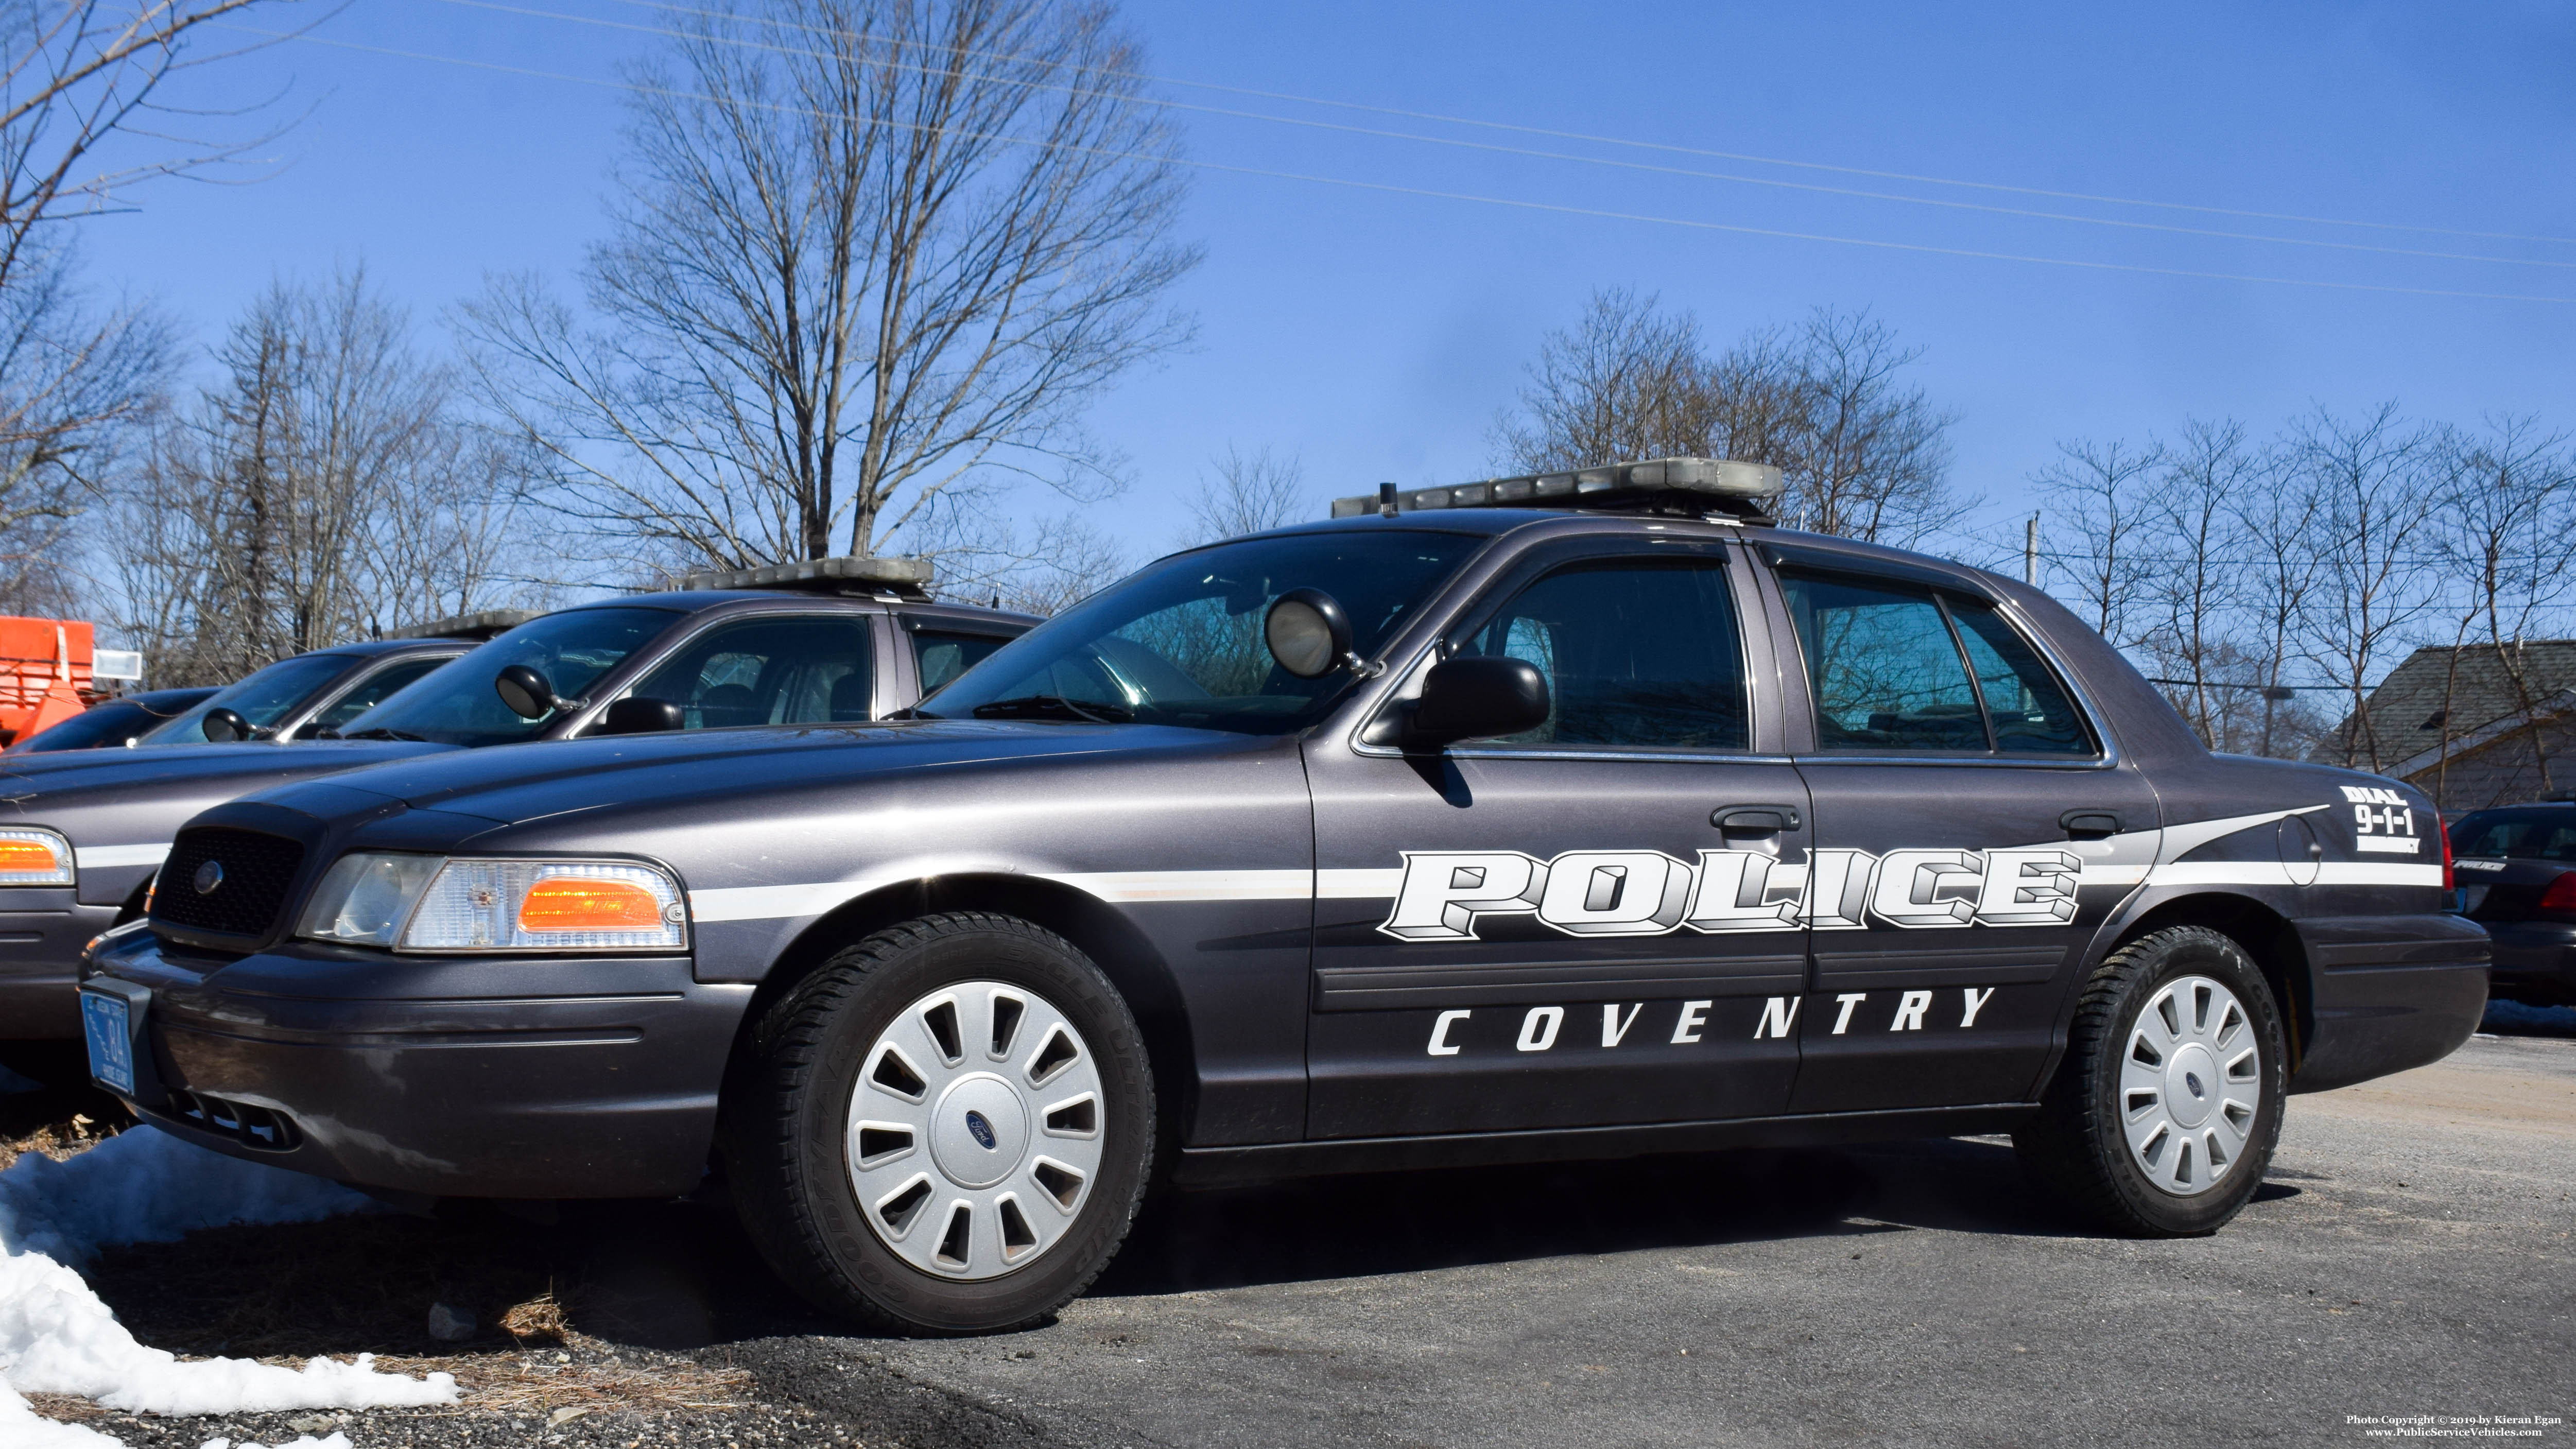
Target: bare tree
1247 493
864 251
2098 492
2277 526
2504 529
1862 453
2193 584
2370 478
326 489
74 380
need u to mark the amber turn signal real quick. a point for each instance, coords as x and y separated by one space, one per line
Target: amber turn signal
33 856
578 903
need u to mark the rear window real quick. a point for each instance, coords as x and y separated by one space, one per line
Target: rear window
2541 834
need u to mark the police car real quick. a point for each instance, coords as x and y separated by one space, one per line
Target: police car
1540 818
83 834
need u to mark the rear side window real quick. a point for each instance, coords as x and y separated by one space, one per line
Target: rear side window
1637 654
943 656
2518 834
1895 666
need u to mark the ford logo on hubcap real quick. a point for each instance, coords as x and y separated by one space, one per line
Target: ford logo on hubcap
209 876
2192 1080
982 1129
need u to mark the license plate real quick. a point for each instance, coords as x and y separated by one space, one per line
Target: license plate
108 1022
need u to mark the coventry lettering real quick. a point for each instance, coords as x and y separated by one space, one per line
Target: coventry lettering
1649 893
1541 1025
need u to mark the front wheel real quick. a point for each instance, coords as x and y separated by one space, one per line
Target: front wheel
945 1129
2165 1111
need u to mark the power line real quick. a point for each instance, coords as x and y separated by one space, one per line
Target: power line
1450 141
1561 135
1440 195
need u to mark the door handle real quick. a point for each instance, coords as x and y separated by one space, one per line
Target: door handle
2089 824
1754 819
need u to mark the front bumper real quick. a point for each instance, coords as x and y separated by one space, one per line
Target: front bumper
42 931
2535 961
2387 993
502 1077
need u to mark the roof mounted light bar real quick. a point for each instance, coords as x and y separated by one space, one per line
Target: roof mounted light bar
480 625
1692 486
908 577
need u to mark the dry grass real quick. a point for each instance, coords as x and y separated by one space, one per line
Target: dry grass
515 1384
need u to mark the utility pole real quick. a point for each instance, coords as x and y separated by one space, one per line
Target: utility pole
2030 552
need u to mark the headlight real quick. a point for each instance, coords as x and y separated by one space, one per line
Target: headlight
426 903
34 857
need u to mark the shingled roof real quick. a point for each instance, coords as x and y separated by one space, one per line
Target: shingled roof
2424 705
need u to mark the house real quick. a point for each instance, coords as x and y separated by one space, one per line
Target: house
2471 726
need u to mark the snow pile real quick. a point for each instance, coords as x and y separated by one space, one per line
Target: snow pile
148 1186
23 1428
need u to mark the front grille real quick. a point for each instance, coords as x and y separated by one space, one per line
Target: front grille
257 869
253 1127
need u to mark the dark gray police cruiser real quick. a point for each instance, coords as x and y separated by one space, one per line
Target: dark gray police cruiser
834 639
1549 817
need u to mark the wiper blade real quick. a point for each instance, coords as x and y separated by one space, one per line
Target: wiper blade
1056 706
383 734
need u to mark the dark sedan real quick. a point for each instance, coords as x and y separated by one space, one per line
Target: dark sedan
2517 872
113 723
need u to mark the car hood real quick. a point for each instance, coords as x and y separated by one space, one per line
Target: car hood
511 787
26 780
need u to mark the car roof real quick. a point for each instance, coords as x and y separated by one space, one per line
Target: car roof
370 648
690 601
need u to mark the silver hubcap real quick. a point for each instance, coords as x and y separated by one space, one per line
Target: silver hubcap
2190 1085
975 1130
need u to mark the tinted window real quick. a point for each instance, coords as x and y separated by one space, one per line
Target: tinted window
455 703
1179 641
1636 653
2029 709
373 690
768 671
2525 834
1885 669
943 657
111 722
262 697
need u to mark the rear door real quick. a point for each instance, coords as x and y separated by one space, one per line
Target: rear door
1553 929
1972 831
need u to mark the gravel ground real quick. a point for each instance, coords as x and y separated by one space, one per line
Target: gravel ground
2414 1251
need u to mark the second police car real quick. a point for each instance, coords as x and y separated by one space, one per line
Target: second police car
1547 817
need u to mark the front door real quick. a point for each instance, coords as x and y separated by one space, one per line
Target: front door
1971 835
1554 929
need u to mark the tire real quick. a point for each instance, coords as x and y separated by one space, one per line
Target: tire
2153 1131
895 1168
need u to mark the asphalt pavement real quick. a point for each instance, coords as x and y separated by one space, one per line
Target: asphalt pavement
2412 1254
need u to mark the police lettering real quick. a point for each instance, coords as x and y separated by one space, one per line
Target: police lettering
1649 893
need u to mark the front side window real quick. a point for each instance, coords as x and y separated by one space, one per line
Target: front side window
943 656
768 671
1179 642
455 704
1638 653
262 697
1895 666
373 690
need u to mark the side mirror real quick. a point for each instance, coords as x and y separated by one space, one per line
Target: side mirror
225 726
525 691
1476 696
1307 632
640 714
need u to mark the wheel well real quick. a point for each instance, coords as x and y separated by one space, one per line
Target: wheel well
2266 935
1132 964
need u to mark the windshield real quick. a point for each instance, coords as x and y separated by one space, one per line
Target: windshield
1180 643
456 704
2521 834
262 697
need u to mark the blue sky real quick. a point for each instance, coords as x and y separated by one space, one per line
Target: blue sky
1375 333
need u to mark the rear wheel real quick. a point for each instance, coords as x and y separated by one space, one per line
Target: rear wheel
2165 1111
944 1129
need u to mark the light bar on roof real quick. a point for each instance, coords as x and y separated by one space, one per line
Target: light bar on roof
1729 486
903 575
